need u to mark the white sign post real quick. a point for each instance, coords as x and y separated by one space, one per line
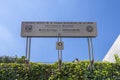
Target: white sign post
60 30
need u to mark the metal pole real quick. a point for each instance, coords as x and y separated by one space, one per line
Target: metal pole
61 51
59 54
26 49
26 57
29 48
92 53
89 51
92 49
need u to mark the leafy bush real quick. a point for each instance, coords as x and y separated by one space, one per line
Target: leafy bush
70 71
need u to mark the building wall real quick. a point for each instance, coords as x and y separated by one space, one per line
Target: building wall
115 49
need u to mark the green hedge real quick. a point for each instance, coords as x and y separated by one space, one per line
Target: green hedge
70 71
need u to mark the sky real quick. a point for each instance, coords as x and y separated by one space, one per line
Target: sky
105 13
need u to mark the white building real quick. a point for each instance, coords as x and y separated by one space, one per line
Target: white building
115 49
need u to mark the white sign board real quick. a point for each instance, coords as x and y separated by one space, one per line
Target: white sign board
55 29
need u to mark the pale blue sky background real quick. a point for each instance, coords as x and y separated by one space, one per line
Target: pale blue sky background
12 12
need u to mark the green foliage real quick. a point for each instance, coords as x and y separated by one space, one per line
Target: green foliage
117 58
6 59
9 59
70 71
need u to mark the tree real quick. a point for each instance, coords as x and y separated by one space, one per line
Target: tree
6 59
9 59
21 60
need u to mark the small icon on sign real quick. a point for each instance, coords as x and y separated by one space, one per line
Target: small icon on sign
28 28
90 28
59 45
